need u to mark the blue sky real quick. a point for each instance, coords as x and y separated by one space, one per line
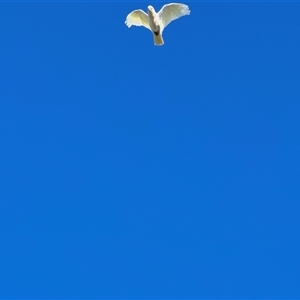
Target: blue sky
135 171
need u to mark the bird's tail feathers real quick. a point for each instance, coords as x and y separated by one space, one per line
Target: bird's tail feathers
158 39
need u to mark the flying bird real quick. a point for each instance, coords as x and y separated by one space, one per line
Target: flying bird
157 21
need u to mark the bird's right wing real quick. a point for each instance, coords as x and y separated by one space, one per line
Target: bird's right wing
172 11
138 18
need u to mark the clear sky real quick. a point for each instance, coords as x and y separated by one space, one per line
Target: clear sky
135 171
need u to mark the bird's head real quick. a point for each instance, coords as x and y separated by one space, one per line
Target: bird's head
150 8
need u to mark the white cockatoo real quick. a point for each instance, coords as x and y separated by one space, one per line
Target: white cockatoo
157 21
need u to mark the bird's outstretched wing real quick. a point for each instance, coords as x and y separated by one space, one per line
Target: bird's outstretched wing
172 11
138 18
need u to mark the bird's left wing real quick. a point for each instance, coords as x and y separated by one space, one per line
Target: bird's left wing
172 11
138 18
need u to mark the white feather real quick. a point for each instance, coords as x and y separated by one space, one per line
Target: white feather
138 18
171 12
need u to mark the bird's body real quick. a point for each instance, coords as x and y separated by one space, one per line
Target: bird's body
157 21
155 26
